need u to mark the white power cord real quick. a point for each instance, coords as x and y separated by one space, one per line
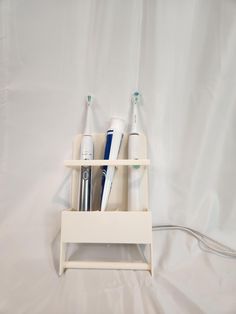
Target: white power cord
206 243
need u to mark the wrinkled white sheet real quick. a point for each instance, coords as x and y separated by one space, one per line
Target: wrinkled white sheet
181 55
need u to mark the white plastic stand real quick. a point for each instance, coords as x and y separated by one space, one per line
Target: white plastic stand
117 224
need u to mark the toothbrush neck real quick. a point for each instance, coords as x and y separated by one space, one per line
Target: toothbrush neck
134 126
87 129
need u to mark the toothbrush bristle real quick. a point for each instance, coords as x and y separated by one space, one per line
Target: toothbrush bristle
136 97
89 100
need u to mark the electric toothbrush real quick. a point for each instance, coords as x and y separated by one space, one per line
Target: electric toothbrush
134 152
112 147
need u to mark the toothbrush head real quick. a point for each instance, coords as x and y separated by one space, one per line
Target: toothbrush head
136 97
89 100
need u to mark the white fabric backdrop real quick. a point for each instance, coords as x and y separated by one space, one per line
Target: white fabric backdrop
181 55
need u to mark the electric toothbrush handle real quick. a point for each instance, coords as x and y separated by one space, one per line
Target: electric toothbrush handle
134 174
85 189
85 200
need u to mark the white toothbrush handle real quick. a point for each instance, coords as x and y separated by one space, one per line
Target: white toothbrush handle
135 174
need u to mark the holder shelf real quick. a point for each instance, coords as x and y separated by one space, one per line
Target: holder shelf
108 265
117 225
101 162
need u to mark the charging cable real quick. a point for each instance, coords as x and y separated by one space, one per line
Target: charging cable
205 243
